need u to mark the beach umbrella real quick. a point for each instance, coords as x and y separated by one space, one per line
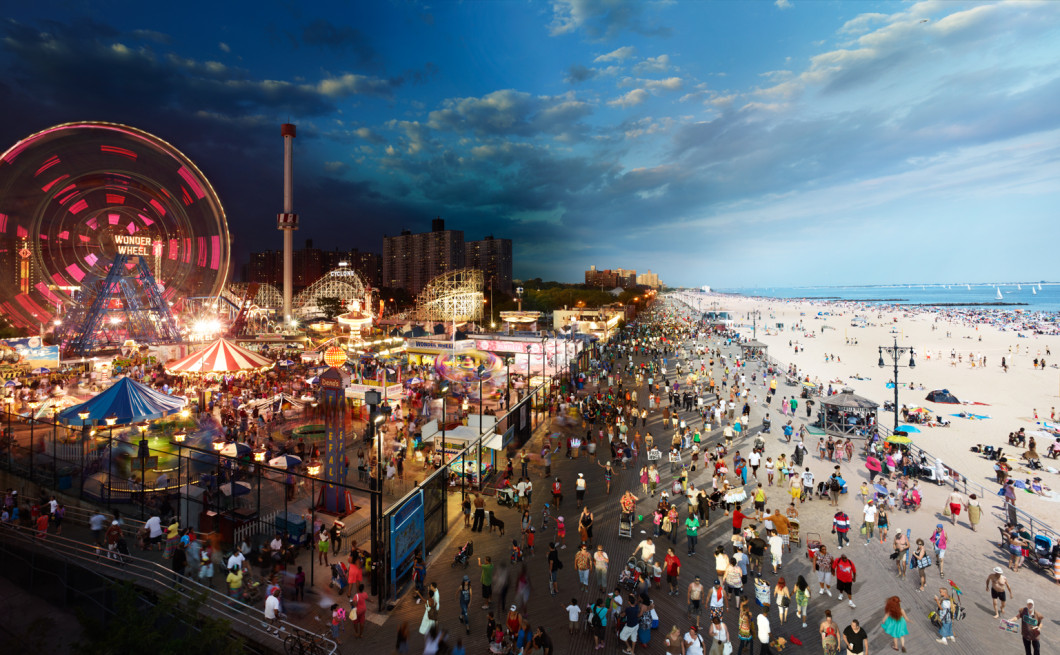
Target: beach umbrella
285 461
880 489
909 428
235 488
10 383
898 438
236 450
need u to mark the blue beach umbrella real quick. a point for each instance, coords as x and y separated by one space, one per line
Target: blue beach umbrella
908 428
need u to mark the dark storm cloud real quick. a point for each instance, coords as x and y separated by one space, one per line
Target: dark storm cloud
578 73
511 113
603 19
342 38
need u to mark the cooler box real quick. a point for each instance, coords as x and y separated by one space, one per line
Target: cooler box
291 523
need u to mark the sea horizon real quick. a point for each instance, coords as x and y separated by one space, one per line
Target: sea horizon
1038 296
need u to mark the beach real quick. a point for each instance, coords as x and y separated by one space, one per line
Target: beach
1009 398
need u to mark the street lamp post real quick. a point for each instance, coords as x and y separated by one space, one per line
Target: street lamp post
178 437
508 361
372 399
32 416
895 353
143 467
55 447
110 420
85 433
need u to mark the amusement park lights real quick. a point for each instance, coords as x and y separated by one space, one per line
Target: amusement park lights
206 327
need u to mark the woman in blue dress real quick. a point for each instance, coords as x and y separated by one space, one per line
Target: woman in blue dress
894 622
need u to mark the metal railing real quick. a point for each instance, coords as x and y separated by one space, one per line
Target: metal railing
245 620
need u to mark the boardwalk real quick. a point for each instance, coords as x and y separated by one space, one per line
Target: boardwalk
969 560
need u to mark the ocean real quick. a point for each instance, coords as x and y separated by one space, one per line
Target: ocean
1046 299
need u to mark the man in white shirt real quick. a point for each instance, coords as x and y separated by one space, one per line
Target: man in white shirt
646 549
272 611
755 460
870 520
236 560
807 483
520 489
153 526
763 628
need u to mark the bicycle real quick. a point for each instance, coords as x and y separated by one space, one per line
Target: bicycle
304 642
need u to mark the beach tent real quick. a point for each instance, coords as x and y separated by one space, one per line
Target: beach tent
943 396
222 356
128 401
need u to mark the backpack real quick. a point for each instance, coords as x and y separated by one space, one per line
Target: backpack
835 485
597 622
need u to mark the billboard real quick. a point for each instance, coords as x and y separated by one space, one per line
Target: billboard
28 354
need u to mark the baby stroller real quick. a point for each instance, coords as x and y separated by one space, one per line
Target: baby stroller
340 576
634 573
1043 553
506 497
911 500
463 556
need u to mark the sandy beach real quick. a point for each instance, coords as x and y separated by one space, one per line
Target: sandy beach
1010 398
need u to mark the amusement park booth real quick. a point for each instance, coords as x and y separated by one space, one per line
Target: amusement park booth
452 442
752 350
847 414
423 350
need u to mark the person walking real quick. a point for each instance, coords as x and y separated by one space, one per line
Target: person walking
920 560
719 636
894 622
901 548
745 631
829 631
944 615
939 541
487 581
600 562
954 504
840 528
672 567
782 593
464 598
856 639
975 511
554 565
432 606
997 585
822 564
764 631
845 575
1030 628
583 561
692 524
870 512
802 599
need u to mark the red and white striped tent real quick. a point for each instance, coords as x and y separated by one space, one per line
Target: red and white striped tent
221 356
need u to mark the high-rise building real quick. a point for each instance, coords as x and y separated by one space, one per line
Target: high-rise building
410 260
494 258
609 279
649 279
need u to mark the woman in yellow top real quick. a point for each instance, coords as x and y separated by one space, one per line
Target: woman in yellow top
172 536
235 582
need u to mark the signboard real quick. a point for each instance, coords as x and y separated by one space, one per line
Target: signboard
406 536
131 245
438 346
393 392
28 353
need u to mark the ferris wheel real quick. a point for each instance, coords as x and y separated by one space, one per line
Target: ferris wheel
74 196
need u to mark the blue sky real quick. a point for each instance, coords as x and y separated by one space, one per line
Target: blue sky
724 143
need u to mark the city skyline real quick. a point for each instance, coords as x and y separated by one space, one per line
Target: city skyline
867 143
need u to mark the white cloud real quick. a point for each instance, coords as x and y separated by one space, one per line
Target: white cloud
653 65
669 84
224 47
634 97
784 4
625 52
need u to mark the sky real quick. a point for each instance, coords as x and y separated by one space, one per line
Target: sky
731 144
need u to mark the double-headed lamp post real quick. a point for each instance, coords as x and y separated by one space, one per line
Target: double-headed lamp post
895 353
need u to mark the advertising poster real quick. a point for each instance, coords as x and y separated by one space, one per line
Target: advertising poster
28 354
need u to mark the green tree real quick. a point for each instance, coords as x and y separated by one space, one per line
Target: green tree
331 306
168 626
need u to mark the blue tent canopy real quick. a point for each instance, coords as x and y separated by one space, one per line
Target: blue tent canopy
129 401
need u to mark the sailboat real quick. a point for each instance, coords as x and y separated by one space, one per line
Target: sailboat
1039 286
999 296
1034 292
1018 287
968 286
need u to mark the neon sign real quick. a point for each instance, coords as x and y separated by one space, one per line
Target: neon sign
131 245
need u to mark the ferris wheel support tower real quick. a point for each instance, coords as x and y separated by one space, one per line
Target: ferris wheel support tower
287 222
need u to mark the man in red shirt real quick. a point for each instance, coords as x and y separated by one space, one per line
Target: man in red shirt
737 519
845 574
672 566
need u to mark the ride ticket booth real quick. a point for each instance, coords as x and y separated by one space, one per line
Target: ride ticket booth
453 442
